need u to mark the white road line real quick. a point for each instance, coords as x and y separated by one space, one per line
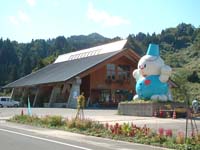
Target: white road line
45 139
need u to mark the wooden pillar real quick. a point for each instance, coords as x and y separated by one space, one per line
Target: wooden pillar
12 93
65 87
24 96
65 92
54 92
36 96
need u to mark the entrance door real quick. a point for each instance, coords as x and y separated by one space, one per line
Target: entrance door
85 86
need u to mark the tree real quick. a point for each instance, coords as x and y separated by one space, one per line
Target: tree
185 29
140 36
193 77
60 42
181 93
13 75
26 66
135 45
40 64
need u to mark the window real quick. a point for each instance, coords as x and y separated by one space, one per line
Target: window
111 72
123 72
105 96
3 99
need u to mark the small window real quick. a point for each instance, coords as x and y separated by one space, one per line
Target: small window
111 71
3 99
123 72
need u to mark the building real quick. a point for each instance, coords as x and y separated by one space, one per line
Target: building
103 73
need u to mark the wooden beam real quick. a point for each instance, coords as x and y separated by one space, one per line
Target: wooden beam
65 87
12 93
24 95
36 96
54 92
133 54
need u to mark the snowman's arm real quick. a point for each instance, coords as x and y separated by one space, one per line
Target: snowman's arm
165 73
136 74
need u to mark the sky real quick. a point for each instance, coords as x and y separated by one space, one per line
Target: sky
24 20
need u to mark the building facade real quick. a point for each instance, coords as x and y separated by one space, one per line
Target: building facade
103 73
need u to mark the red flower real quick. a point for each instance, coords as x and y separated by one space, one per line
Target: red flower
161 131
192 134
168 132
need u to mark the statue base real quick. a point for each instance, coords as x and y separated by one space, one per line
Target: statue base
149 109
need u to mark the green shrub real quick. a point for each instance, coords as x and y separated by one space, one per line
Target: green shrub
71 123
54 121
25 119
45 120
81 124
20 118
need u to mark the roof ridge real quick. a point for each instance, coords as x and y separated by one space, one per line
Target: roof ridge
93 51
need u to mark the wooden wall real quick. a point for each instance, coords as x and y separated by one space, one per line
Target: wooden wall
98 78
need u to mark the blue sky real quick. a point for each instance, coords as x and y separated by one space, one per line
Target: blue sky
24 20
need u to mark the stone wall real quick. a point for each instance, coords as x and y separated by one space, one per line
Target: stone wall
146 109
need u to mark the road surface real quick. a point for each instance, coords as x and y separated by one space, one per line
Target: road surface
22 137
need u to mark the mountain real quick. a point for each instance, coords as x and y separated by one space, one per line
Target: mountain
83 41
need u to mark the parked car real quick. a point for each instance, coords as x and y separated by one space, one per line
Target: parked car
8 102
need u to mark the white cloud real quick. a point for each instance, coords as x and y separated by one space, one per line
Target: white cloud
56 3
31 3
104 18
19 18
13 20
23 16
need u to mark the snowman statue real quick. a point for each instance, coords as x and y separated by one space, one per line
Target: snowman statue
152 76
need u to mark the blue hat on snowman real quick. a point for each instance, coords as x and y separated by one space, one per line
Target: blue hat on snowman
153 50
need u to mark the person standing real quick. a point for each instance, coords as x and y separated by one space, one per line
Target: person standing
80 106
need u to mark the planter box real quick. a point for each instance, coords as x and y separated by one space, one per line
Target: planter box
146 109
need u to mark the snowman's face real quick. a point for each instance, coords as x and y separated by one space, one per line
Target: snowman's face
150 65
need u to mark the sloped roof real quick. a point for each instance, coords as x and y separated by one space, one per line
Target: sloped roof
64 68
59 72
62 71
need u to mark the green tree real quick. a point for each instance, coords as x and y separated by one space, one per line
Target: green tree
193 77
26 66
181 93
13 75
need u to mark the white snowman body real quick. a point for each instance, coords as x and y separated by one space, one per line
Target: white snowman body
152 76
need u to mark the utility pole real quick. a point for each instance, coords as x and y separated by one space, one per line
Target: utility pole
187 112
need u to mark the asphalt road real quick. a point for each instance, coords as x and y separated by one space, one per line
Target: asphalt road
12 140
22 137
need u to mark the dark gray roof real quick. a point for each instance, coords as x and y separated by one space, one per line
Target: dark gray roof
59 72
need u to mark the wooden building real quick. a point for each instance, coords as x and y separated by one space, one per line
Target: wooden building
103 73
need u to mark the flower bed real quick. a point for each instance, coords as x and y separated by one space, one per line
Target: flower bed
126 132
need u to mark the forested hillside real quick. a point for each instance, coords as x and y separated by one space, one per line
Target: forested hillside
180 48
20 59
